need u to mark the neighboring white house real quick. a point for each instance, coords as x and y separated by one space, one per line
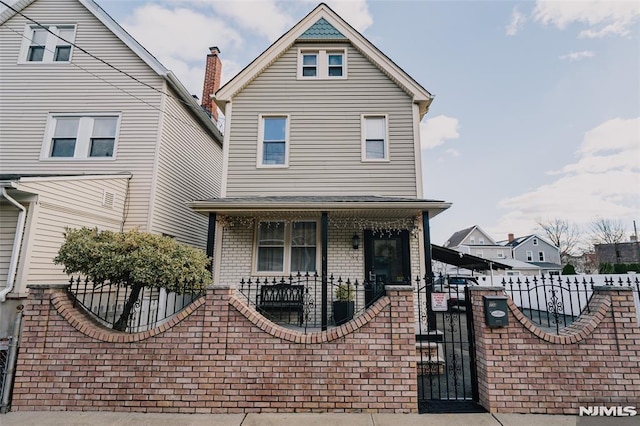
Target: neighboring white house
322 155
529 255
95 132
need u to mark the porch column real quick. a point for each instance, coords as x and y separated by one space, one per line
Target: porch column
428 279
325 238
211 235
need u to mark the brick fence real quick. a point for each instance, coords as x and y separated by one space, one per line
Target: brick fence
218 356
594 362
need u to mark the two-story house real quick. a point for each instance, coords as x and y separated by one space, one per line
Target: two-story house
95 132
322 169
529 255
536 251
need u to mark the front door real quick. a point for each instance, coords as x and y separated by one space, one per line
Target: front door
386 261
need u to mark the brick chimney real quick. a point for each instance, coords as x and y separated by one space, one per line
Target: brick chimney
511 237
212 73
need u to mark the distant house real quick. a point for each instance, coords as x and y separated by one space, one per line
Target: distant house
536 251
618 253
95 132
529 255
322 162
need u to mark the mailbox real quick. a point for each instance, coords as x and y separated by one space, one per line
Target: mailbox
495 311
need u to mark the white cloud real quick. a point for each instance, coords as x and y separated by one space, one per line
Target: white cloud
184 49
435 131
602 17
517 21
264 17
355 12
576 56
453 152
603 182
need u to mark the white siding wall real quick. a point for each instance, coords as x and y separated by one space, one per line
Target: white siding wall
73 204
189 168
29 92
8 222
325 152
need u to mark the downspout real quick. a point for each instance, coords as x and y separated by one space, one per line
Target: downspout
17 242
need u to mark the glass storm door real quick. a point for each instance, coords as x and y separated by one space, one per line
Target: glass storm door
386 261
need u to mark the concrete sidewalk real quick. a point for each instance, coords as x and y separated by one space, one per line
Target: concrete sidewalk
75 418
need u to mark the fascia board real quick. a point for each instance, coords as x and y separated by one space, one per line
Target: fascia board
124 36
420 95
16 8
70 178
257 206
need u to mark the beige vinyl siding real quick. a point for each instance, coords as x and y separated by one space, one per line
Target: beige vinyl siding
189 168
8 222
325 135
72 204
30 92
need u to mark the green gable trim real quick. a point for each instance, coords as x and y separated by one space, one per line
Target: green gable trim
322 30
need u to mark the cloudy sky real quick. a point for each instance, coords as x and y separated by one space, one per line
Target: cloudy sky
537 103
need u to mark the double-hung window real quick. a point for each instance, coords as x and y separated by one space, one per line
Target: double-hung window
322 64
287 247
273 143
309 64
529 256
541 256
80 137
48 44
375 139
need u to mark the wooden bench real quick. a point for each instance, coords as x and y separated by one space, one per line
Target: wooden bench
282 298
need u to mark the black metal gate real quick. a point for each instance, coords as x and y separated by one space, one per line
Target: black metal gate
445 347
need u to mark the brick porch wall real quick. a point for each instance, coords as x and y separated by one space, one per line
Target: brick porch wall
218 356
596 361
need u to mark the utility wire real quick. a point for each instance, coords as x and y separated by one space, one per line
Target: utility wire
44 27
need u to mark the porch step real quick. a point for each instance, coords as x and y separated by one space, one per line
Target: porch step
429 360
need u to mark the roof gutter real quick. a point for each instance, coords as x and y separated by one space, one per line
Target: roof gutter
257 206
17 242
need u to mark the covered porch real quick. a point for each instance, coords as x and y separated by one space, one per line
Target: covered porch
331 247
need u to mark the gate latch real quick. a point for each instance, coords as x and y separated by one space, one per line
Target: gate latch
495 311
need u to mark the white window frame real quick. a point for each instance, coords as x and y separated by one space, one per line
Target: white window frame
535 241
481 241
541 256
260 148
472 240
529 255
322 63
363 132
83 137
286 263
50 45
500 254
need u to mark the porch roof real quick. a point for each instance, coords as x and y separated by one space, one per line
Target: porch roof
346 205
466 261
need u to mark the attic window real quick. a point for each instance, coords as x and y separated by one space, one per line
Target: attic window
47 44
322 64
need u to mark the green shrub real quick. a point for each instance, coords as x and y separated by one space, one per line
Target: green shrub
568 269
134 259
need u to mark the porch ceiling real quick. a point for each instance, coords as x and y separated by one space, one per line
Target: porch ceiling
344 206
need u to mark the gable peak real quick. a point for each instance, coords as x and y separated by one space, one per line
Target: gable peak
322 30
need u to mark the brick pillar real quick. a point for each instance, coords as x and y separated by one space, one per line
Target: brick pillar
523 368
403 343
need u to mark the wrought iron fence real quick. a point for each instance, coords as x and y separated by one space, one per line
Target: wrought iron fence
117 306
296 300
554 302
